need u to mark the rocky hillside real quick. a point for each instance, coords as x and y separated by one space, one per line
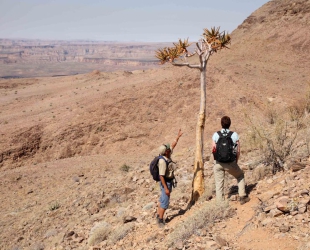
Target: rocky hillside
74 150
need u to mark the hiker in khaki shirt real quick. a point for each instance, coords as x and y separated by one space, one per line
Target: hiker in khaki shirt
166 175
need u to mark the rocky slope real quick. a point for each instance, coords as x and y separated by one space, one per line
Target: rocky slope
74 150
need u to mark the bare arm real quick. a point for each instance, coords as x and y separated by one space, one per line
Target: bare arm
177 139
213 146
162 179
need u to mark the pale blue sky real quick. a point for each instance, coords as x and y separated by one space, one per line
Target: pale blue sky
120 20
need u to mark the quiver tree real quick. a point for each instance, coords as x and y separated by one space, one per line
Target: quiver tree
211 42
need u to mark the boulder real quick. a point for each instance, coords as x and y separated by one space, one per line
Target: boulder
305 200
220 241
129 219
302 208
275 212
282 203
268 208
284 229
149 206
296 166
274 190
267 221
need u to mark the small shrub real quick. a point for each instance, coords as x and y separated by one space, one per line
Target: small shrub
54 206
209 189
202 218
261 171
296 111
120 232
99 233
50 233
116 198
271 115
37 246
125 168
280 140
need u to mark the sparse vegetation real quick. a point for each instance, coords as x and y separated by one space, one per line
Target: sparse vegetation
281 136
208 214
209 189
120 232
125 168
261 171
54 206
99 233
37 246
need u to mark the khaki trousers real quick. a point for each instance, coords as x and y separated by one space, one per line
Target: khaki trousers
219 174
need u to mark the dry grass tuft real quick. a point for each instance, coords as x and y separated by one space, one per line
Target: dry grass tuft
125 168
261 171
54 206
99 233
202 218
120 232
209 189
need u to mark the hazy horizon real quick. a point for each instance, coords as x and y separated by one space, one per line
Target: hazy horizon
119 21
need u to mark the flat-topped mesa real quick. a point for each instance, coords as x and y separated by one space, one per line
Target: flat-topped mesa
73 52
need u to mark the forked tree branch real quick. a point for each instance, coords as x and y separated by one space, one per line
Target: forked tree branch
199 48
186 55
187 64
209 49
190 55
207 55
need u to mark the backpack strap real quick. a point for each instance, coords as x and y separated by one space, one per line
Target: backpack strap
230 133
161 157
167 163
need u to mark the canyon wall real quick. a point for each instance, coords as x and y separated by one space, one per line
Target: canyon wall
19 57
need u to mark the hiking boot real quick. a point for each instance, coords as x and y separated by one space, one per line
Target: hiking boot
244 200
161 223
157 218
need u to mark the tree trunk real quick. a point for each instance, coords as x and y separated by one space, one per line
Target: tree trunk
198 180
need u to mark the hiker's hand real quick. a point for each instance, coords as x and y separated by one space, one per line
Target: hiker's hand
167 192
180 133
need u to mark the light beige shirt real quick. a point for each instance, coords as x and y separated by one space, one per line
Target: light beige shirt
168 172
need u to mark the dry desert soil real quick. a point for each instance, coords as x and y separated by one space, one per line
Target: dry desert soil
75 150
